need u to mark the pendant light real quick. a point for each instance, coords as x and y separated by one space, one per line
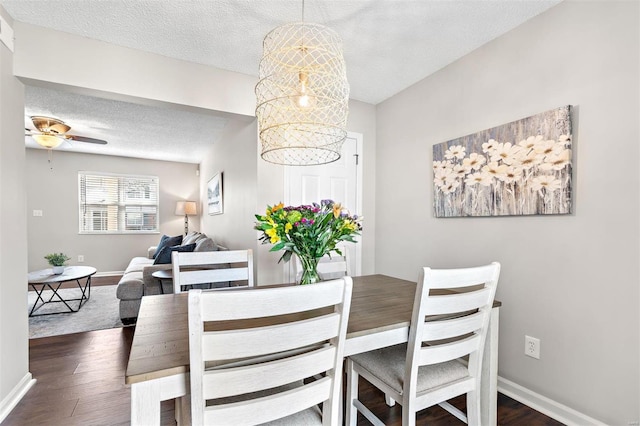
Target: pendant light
302 95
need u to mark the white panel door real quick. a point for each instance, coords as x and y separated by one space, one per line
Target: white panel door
338 181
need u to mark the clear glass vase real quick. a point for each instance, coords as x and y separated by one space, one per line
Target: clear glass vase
309 270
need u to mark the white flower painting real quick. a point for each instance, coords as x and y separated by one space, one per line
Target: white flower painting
520 168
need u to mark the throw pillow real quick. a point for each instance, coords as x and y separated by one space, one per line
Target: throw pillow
165 254
206 244
167 242
191 238
160 245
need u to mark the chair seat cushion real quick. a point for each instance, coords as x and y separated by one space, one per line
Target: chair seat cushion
387 364
308 417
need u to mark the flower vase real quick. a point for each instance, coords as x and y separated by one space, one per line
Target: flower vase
57 270
309 270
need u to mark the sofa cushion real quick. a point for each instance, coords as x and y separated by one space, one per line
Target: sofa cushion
206 244
130 287
164 256
168 242
137 264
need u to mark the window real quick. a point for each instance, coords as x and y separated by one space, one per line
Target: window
116 204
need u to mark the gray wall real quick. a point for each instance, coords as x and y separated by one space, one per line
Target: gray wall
362 119
571 281
54 190
14 329
233 156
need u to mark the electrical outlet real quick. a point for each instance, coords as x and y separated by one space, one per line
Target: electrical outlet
532 347
80 258
37 213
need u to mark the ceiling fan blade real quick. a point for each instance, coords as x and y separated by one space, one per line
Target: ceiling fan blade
86 139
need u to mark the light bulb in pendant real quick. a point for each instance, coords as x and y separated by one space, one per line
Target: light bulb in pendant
305 98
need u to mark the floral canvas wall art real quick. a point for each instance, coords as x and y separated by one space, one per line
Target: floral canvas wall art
520 168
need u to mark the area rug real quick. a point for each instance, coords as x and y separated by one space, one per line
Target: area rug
98 313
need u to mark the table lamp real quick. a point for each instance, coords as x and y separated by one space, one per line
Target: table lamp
186 208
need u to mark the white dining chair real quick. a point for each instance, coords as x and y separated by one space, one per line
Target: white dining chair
329 267
261 372
450 320
212 267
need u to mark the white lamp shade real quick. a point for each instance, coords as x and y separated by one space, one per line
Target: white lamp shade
186 208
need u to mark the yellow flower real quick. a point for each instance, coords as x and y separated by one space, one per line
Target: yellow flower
273 233
287 227
351 226
337 209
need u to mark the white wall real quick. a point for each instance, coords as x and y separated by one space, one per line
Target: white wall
571 281
54 190
14 330
101 69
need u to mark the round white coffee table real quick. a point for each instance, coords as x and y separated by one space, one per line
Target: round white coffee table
46 279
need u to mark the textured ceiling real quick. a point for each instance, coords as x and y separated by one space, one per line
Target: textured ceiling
389 44
131 130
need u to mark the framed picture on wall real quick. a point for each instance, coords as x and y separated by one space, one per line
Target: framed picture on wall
214 195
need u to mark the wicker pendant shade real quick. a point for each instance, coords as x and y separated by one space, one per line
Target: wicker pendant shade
302 95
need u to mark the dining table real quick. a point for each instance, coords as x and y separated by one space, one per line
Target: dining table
381 307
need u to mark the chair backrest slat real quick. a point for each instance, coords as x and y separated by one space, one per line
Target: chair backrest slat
269 408
448 351
233 381
220 345
249 366
445 329
211 267
215 257
256 304
213 276
460 302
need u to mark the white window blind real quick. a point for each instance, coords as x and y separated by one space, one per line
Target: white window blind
112 204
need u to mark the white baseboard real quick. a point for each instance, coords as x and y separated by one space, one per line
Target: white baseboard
16 394
545 405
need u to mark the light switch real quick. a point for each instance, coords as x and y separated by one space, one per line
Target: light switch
37 213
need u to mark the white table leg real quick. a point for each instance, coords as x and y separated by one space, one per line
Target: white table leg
145 403
147 395
489 383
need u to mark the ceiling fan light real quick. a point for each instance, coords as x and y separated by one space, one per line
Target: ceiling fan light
48 141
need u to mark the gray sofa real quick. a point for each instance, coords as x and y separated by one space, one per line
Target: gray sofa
137 280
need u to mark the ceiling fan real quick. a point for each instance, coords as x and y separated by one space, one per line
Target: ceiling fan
51 132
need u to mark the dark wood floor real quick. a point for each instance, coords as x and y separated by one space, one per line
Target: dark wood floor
80 381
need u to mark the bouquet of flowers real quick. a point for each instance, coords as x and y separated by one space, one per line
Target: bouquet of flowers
309 231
